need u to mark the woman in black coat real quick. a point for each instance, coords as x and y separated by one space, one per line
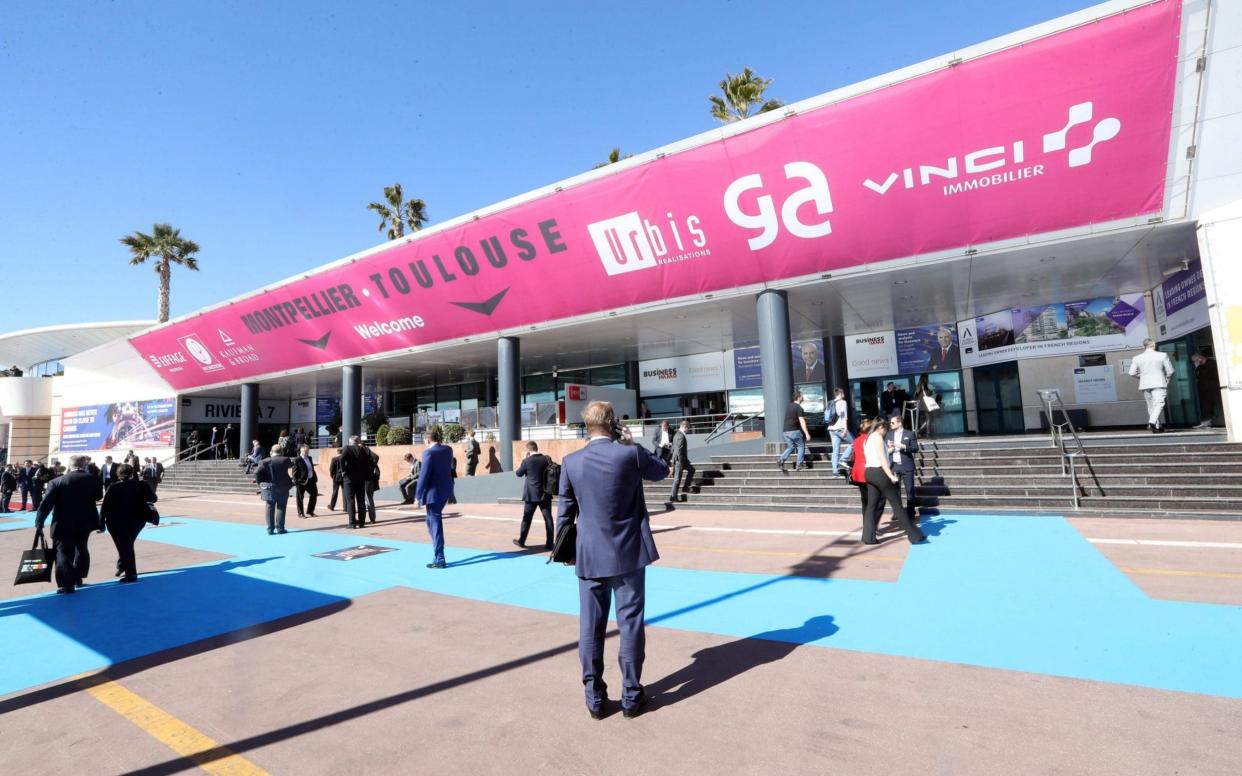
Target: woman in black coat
123 514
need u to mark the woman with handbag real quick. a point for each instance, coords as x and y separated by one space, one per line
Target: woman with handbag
928 407
127 506
882 484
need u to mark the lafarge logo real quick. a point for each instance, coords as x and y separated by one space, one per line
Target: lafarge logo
1007 163
630 242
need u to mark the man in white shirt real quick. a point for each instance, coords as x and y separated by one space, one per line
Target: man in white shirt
837 418
1153 370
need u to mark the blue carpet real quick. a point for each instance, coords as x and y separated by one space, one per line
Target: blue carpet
1021 593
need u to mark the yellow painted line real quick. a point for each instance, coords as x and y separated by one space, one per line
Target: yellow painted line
1177 573
194 746
786 553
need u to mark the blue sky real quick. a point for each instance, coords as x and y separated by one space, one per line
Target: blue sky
263 129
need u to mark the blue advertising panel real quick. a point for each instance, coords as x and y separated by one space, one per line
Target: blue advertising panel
325 408
746 368
928 349
128 425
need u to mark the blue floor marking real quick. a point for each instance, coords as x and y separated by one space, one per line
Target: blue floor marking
1022 593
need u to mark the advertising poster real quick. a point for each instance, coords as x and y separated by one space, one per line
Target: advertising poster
808 362
1065 328
700 373
871 355
1180 304
1030 139
125 425
928 349
325 408
747 371
1095 385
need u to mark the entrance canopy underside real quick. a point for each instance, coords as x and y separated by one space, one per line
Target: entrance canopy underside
900 295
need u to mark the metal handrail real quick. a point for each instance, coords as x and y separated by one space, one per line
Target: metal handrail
1050 397
732 423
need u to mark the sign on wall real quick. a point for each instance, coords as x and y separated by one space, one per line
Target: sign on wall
1095 385
1058 329
302 412
700 373
1179 304
747 368
125 425
624 401
206 409
1034 138
871 355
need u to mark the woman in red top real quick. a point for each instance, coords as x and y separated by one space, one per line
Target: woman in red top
858 472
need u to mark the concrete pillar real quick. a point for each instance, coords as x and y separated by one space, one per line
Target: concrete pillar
838 366
775 361
248 423
509 397
1220 241
351 402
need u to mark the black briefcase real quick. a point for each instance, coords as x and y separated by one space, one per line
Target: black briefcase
37 562
565 549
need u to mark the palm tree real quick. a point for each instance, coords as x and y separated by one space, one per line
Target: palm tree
169 247
614 156
399 213
742 93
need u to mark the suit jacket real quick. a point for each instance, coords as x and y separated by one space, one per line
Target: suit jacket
150 473
356 464
8 481
602 485
903 460
1153 369
435 478
110 468
472 452
71 501
681 447
532 469
303 473
951 360
817 372
893 403
125 505
334 468
276 471
26 477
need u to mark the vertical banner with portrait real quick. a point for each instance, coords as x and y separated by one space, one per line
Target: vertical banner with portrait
808 362
928 349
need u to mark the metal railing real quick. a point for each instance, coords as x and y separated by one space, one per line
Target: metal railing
1051 399
731 423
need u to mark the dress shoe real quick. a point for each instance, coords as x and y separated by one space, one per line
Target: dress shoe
630 712
437 565
311 514
128 580
281 531
64 590
120 573
518 543
548 547
270 531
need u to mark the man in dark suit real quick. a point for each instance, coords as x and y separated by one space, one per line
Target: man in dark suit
226 440
902 445
945 357
307 482
334 471
26 481
8 484
434 489
274 471
602 488
151 474
893 400
472 455
811 370
356 469
213 443
71 502
681 461
533 495
108 473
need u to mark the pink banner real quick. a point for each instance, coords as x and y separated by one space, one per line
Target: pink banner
1060 132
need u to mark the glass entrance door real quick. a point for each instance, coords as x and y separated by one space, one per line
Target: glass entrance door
1182 405
998 399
